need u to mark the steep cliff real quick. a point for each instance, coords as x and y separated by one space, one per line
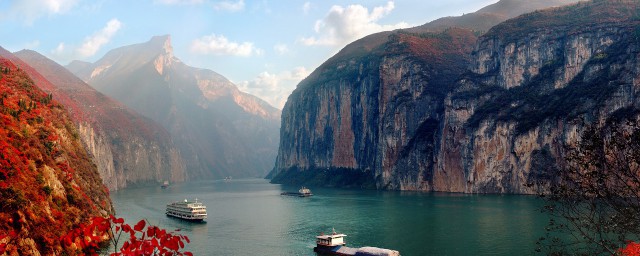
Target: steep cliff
219 130
353 114
127 147
535 83
48 183
491 119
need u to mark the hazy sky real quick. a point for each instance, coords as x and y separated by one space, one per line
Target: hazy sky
265 47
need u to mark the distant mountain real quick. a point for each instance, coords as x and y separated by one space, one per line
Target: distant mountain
220 130
48 183
378 114
128 148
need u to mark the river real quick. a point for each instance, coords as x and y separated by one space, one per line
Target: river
250 217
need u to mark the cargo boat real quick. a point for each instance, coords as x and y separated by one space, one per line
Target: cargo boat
334 244
302 192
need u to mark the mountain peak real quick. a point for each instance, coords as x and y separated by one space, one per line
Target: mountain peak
162 43
165 57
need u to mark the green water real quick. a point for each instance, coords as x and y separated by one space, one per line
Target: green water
250 217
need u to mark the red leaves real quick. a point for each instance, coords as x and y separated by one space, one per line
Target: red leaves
3 246
141 241
140 225
631 249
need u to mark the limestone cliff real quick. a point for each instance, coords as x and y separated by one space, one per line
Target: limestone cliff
535 83
435 111
355 114
127 147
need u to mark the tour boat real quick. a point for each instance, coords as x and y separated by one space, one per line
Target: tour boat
302 192
187 210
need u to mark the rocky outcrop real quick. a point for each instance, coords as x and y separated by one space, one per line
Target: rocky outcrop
429 111
127 147
219 130
134 160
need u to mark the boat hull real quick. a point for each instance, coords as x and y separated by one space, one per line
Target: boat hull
187 219
296 194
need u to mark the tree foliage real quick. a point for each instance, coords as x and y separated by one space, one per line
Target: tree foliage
141 239
594 200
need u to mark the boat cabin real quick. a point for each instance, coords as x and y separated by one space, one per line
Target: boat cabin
330 240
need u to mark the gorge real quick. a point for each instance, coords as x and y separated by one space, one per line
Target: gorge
459 110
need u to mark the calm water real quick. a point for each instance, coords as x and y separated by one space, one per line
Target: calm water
249 217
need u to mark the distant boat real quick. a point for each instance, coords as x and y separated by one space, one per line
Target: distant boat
334 244
187 210
227 179
165 184
302 192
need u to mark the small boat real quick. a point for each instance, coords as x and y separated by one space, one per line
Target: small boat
165 184
187 210
334 244
302 192
227 179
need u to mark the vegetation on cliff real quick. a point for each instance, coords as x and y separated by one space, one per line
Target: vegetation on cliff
571 18
52 200
128 148
48 183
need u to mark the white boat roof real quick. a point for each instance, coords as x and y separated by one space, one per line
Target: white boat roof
330 236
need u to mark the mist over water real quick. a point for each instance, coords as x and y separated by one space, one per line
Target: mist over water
250 217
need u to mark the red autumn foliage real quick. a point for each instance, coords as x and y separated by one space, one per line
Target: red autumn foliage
631 249
48 182
85 104
141 241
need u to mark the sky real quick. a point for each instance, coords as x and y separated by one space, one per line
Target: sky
264 47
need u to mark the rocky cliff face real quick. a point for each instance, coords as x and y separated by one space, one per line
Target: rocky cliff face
531 92
355 113
488 116
48 183
220 131
127 147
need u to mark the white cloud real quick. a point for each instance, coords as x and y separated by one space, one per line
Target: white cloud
343 25
93 43
178 2
59 50
274 88
281 48
31 10
220 45
231 6
306 7
62 53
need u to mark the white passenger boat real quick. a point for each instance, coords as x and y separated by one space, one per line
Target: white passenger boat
187 210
